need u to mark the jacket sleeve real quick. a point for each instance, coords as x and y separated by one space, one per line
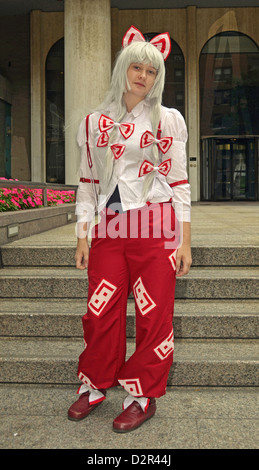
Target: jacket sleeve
173 125
86 201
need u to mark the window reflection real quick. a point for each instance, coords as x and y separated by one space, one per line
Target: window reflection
229 77
55 141
229 106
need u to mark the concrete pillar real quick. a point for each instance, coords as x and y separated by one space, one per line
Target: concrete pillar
37 160
87 69
193 103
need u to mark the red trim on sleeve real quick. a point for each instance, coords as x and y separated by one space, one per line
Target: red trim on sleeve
178 182
87 180
90 163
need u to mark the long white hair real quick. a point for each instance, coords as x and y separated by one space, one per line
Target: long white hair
136 52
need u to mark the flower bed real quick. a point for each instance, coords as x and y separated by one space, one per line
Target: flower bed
19 198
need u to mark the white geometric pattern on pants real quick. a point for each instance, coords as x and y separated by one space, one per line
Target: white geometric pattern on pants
132 386
166 347
143 299
86 380
101 296
172 258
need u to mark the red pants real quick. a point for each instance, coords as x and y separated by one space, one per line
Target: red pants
117 266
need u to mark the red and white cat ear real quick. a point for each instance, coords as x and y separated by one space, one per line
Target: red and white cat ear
133 34
163 43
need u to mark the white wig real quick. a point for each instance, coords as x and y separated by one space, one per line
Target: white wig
143 53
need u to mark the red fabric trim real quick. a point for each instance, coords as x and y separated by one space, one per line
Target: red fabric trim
159 130
90 163
87 180
147 405
148 203
97 401
178 182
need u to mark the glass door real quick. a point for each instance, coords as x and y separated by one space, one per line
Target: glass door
240 170
222 171
229 169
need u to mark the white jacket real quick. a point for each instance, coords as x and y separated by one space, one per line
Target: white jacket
132 159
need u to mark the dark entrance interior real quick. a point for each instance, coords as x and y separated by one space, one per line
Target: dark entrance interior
229 169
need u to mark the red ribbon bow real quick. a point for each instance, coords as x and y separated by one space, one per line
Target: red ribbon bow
117 150
106 123
161 41
147 139
147 167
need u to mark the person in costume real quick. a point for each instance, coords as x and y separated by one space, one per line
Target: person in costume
133 173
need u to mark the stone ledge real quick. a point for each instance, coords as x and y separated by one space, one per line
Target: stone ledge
197 362
33 221
47 255
61 282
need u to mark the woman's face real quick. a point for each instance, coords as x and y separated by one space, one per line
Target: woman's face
141 78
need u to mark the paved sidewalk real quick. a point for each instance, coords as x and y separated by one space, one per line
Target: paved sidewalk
225 224
213 224
35 417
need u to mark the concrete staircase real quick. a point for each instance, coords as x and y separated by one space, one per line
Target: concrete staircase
216 322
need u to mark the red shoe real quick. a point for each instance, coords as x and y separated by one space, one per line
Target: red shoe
81 408
133 416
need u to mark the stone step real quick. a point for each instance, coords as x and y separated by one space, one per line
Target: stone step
22 255
210 283
192 318
197 362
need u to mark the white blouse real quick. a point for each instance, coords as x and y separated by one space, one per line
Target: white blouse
132 150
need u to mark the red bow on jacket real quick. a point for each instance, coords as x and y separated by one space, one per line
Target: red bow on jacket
117 149
147 167
106 123
148 139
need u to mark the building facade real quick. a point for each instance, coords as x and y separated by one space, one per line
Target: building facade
55 68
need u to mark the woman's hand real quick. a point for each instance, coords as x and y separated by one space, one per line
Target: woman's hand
82 253
183 260
183 254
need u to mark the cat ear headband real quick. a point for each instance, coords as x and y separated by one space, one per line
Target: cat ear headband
161 41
